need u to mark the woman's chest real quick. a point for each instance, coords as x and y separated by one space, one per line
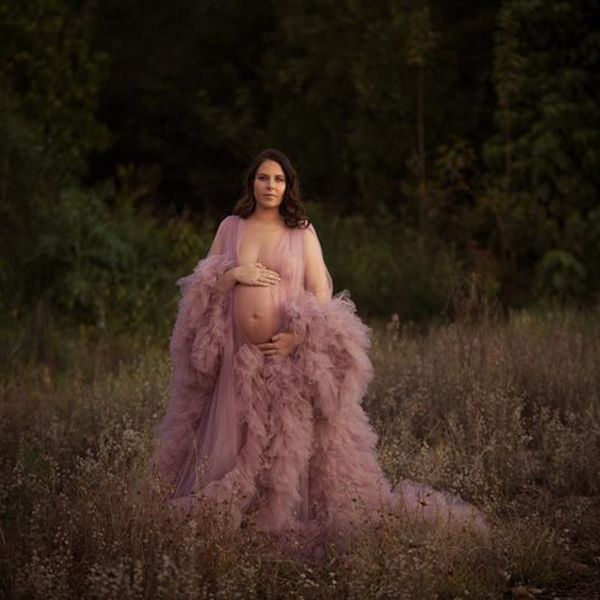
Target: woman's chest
280 250
261 244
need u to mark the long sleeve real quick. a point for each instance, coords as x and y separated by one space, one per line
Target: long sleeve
196 349
335 340
333 357
316 275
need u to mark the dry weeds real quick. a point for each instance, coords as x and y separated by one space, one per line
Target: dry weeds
506 414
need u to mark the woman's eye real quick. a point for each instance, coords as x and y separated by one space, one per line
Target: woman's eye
265 178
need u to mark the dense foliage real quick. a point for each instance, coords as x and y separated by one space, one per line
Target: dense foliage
441 148
544 158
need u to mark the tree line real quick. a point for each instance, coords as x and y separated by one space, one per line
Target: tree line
437 144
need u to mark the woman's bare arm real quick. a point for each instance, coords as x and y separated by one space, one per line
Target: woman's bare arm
316 276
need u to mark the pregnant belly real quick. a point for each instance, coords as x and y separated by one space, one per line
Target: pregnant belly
256 313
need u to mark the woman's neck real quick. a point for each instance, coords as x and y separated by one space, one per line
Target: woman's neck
266 216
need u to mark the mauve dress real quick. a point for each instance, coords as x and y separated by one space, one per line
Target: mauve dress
282 441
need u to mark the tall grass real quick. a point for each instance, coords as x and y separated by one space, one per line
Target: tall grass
504 413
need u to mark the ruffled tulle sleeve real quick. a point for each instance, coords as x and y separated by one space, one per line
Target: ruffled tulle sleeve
335 341
196 350
335 363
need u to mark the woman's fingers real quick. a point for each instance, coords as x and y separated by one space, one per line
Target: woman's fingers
266 271
271 280
267 346
265 282
263 277
270 352
258 275
268 278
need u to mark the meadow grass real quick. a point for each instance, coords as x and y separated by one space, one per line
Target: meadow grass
504 412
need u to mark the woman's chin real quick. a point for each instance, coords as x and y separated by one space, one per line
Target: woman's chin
270 204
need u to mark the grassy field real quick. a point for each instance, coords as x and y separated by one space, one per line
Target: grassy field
506 413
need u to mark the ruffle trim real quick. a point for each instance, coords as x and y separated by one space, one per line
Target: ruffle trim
196 350
305 434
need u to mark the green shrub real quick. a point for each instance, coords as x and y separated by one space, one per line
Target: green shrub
387 268
100 269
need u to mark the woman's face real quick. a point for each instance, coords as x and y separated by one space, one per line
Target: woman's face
269 185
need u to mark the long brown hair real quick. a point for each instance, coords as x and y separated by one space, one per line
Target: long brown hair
291 207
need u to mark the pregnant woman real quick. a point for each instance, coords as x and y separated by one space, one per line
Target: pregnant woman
269 370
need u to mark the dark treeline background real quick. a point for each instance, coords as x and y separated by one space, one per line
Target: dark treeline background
448 152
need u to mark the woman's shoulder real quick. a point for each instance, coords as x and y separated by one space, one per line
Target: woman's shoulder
230 219
227 222
310 240
307 229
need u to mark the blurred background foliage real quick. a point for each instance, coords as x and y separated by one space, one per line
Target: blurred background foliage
446 151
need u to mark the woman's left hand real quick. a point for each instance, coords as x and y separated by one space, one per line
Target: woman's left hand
283 343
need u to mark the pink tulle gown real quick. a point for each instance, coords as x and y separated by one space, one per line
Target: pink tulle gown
283 441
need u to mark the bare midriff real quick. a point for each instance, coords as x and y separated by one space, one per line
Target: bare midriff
256 313
255 307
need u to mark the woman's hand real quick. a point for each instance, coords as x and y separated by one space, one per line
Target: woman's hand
256 274
283 343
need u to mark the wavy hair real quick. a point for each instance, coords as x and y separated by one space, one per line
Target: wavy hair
291 207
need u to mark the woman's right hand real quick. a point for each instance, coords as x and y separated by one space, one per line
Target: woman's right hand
256 274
